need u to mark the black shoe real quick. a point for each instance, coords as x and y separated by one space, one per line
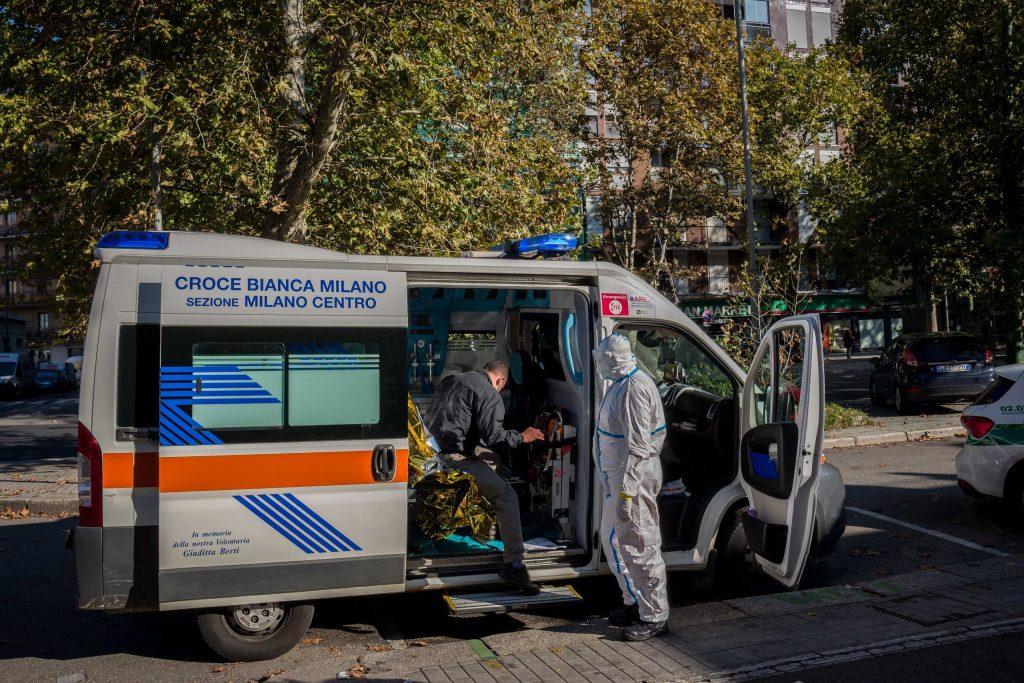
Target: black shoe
518 578
624 616
643 630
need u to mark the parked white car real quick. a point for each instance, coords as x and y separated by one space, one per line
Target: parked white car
990 464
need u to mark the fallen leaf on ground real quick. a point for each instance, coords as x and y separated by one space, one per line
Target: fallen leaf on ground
419 643
218 669
311 641
267 677
331 650
381 647
356 671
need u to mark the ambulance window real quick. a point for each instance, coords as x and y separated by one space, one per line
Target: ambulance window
237 385
272 384
323 386
670 357
138 376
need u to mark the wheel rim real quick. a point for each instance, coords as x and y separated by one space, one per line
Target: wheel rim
259 620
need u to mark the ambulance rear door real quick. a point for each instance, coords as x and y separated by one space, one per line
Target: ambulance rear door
782 420
282 435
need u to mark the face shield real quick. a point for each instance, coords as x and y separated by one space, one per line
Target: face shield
614 357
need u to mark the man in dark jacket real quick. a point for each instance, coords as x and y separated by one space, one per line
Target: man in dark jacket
466 412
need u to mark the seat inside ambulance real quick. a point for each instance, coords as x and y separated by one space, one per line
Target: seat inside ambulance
538 334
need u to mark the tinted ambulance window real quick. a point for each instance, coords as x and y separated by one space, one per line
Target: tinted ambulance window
232 385
259 384
322 385
138 376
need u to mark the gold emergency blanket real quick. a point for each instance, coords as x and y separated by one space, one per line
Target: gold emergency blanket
447 500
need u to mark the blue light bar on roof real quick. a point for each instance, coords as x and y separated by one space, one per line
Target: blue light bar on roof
133 239
556 244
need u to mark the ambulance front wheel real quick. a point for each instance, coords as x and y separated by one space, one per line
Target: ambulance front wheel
253 633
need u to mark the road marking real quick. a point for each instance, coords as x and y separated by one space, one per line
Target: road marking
930 532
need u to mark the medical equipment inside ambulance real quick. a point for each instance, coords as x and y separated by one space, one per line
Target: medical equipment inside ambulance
454 330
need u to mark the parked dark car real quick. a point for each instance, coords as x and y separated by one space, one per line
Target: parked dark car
51 379
935 367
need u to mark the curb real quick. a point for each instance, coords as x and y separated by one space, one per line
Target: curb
51 507
880 438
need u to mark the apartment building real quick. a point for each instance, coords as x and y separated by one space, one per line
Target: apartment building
713 251
27 309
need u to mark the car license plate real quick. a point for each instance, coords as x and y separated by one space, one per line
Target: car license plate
953 367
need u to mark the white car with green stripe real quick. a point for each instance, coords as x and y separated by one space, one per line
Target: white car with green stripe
991 463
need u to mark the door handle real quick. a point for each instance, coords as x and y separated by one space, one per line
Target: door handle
383 462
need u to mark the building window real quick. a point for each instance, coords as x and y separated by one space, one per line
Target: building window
796 25
821 25
756 11
611 126
44 321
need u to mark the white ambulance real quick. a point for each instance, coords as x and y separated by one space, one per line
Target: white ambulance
243 438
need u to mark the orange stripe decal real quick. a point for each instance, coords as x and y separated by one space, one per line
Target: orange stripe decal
272 470
128 470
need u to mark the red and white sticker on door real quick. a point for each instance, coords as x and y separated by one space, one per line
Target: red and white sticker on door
614 304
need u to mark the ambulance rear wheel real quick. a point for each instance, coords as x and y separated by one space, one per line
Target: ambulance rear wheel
253 633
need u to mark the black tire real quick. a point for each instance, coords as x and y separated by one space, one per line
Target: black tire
877 399
234 644
1013 491
904 406
737 572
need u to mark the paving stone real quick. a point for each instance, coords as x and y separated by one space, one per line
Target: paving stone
988 570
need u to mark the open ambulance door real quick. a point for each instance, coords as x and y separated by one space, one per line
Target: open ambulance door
782 422
282 436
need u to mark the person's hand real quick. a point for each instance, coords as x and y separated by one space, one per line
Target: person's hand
623 507
531 434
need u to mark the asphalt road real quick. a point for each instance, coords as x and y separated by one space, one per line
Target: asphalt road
993 660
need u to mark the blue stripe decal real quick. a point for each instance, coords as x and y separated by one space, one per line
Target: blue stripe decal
263 504
297 522
311 526
661 428
609 434
233 401
618 565
284 517
340 536
272 524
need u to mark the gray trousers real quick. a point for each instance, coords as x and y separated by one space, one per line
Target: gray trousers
495 490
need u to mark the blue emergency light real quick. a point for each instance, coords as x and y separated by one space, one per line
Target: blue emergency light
555 244
133 239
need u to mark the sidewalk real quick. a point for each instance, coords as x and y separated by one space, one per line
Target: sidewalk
897 429
39 489
733 640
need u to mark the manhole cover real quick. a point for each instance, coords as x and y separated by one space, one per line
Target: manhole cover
930 610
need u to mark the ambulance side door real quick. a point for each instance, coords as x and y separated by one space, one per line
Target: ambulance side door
282 433
782 422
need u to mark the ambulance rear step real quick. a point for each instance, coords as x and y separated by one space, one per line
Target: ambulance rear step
508 601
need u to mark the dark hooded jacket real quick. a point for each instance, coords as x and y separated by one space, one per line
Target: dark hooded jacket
467 411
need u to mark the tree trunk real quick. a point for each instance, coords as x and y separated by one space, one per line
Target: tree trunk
304 143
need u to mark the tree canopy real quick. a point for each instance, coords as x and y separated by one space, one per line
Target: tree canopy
931 191
412 127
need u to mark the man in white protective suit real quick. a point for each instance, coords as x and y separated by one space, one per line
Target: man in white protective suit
630 432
